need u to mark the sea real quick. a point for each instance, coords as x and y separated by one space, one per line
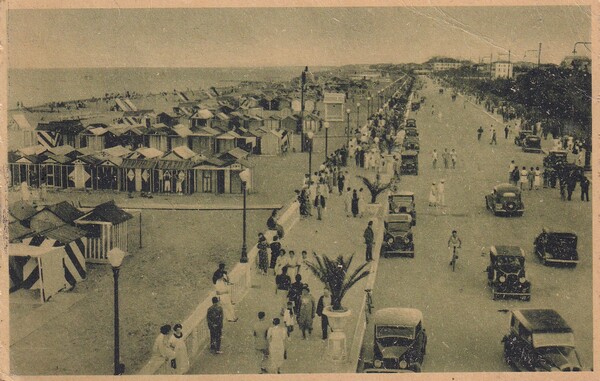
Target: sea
35 87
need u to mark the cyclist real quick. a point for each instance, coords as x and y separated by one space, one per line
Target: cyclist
454 243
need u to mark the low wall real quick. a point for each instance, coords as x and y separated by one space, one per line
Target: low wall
195 329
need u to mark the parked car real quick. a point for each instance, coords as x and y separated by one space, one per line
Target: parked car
532 143
411 143
400 340
505 199
411 132
398 237
554 159
556 247
506 273
411 123
522 134
403 202
540 340
410 163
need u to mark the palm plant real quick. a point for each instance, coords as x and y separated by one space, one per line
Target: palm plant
334 275
375 187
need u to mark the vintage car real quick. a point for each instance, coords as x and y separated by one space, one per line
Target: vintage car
532 143
506 273
540 340
410 163
556 247
411 123
411 132
414 106
398 236
403 202
400 339
411 143
555 159
522 134
505 199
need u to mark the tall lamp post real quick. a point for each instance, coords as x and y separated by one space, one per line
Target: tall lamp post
380 99
368 106
348 127
115 257
358 116
245 177
302 86
326 127
310 135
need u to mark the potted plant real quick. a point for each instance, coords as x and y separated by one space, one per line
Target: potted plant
334 273
375 188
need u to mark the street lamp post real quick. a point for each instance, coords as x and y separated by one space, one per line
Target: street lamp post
380 99
303 84
115 257
358 116
348 127
245 177
310 136
368 106
326 126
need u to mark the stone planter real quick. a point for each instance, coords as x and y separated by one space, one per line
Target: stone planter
336 344
337 319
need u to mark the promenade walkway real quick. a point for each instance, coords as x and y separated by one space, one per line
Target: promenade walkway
334 235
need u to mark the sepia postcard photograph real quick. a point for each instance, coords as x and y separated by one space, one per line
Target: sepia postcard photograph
315 190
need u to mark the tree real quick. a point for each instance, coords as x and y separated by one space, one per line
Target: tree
375 187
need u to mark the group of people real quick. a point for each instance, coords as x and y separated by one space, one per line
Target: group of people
449 158
170 345
523 178
437 194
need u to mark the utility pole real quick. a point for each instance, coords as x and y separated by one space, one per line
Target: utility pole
539 54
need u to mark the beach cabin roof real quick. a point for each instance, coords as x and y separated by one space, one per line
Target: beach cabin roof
58 159
67 127
106 212
118 151
65 211
22 122
61 150
138 163
32 150
64 233
21 210
149 153
16 231
203 114
184 152
97 131
235 154
182 130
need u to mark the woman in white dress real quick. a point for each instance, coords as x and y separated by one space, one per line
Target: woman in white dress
537 179
177 344
523 178
277 337
224 294
433 195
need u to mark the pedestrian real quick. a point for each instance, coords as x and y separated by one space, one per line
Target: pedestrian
493 141
181 361
511 167
537 178
288 316
162 347
224 293
369 240
433 195
295 293
324 302
348 202
434 158
277 338
563 187
571 183
453 158
446 157
523 178
585 187
361 202
282 261
515 176
259 331
506 130
283 281
214 319
319 204
307 312
275 247
479 133
531 177
263 255
441 194
272 224
294 263
354 204
340 182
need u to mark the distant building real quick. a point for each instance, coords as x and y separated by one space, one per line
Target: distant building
334 106
502 69
440 66
577 62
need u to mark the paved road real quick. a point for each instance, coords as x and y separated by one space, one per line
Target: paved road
462 321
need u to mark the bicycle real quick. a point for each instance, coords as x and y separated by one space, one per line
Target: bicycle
368 304
454 258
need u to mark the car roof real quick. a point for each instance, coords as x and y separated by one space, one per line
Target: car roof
559 233
403 193
410 153
542 320
506 187
561 151
513 251
398 217
400 316
532 137
411 119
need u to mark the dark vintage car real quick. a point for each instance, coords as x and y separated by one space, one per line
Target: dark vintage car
556 247
540 340
398 236
411 143
403 202
410 163
506 273
414 106
411 123
400 339
555 159
505 199
411 132
522 134
532 143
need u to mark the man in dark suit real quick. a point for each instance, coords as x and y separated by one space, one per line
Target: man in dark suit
214 319
369 240
324 302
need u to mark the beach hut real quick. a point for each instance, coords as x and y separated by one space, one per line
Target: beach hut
106 228
137 175
178 136
22 211
24 169
49 262
226 141
56 133
202 118
174 175
311 123
20 132
157 137
203 141
53 216
108 172
82 172
334 106
273 122
290 123
98 137
274 142
54 170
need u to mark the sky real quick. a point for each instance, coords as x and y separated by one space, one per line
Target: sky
243 37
